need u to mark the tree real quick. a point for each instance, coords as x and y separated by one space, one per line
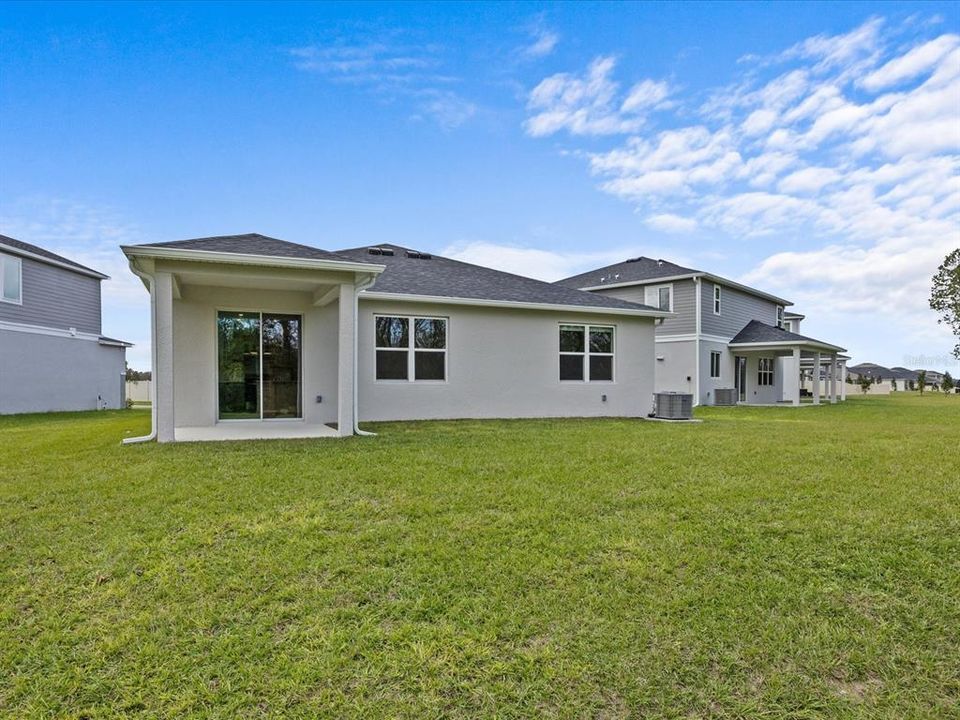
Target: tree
947 384
945 295
911 385
922 380
865 381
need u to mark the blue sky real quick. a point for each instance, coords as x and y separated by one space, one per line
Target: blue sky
809 149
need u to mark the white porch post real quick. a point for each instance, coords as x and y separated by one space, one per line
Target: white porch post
795 387
163 337
816 378
345 360
833 379
843 380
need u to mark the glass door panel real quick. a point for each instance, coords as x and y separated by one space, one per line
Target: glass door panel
238 372
281 366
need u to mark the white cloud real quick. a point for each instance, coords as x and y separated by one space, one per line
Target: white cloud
667 222
845 147
919 60
589 105
544 43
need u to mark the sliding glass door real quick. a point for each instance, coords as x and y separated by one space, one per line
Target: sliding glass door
258 366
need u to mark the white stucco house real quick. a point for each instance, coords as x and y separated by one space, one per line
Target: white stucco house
258 337
723 338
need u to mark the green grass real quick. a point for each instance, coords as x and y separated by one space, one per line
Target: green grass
767 563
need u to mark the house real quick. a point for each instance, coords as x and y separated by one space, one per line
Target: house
52 353
721 334
259 337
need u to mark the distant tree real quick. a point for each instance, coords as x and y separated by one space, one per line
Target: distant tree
945 295
947 383
865 381
910 385
893 384
922 380
137 374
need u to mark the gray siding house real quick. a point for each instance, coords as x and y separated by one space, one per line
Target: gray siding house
255 337
52 353
722 335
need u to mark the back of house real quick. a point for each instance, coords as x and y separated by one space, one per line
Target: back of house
52 353
722 335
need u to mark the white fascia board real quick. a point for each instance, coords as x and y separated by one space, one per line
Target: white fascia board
441 300
788 343
50 261
688 337
211 256
690 276
53 332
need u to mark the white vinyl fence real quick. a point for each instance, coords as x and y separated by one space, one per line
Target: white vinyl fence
138 390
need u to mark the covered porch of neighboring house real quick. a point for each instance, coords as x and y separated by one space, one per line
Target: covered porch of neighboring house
251 346
770 365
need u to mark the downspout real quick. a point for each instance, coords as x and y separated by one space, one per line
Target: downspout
696 346
358 288
148 280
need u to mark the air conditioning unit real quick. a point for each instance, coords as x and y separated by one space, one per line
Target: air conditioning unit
725 396
673 405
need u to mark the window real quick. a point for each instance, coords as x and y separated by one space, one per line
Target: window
714 364
788 325
10 279
258 366
586 353
779 316
765 372
716 299
405 355
659 297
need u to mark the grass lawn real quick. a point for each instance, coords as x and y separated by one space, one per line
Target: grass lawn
769 562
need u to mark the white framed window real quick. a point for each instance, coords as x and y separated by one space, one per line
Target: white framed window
11 279
586 353
714 364
765 371
659 296
780 316
788 325
410 348
716 299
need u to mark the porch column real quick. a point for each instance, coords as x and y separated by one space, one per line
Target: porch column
843 380
833 379
345 360
795 387
816 378
163 337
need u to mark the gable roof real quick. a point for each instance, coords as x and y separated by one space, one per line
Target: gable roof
249 244
644 270
18 247
629 271
758 333
424 276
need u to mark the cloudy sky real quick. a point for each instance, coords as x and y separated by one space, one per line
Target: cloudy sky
811 150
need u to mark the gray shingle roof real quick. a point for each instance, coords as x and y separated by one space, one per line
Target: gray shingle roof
443 277
252 244
758 332
39 251
633 270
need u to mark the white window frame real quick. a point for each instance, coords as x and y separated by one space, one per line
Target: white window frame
411 350
587 354
780 316
651 296
765 367
4 259
718 356
717 295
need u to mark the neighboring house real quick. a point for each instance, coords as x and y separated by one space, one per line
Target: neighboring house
52 355
258 337
721 334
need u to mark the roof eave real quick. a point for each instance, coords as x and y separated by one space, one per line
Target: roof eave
228 258
50 261
689 276
776 344
517 305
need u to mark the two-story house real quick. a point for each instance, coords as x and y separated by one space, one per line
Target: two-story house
721 335
52 353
